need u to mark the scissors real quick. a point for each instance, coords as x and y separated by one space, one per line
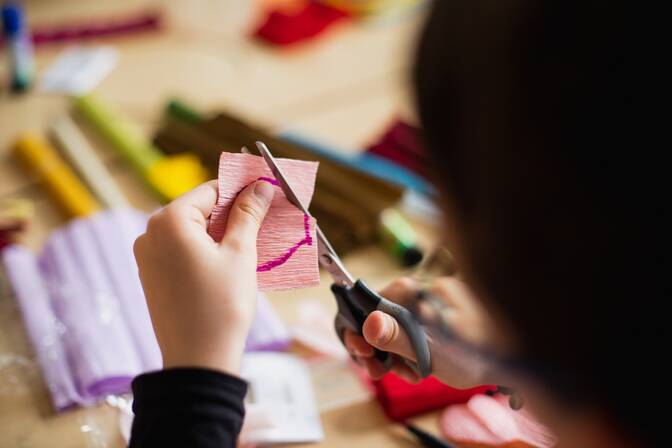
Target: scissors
355 300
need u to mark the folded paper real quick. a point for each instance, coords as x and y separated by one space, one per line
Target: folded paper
286 245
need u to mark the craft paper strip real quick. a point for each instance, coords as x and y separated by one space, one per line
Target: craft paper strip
286 245
101 354
44 329
116 230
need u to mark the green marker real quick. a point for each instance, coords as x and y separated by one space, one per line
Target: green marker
397 235
177 109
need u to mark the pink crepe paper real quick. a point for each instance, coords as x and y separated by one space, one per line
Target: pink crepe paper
489 421
286 245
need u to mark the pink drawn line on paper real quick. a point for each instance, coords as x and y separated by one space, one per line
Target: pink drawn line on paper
307 239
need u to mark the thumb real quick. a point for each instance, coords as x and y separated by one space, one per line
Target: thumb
383 332
247 214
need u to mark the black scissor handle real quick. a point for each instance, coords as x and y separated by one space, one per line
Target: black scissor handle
356 302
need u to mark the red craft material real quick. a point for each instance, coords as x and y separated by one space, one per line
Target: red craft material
282 28
401 400
401 145
104 27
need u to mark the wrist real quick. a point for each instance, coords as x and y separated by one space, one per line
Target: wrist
225 354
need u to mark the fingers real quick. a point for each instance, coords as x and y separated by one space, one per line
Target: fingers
246 215
192 208
201 200
356 345
374 368
363 353
402 290
384 333
452 291
402 369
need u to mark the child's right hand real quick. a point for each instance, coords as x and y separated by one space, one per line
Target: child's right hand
466 318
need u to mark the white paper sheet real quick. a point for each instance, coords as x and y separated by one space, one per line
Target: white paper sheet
280 405
78 70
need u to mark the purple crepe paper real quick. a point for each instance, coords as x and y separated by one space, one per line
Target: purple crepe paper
44 330
85 311
115 231
101 354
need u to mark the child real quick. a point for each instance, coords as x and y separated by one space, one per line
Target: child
525 105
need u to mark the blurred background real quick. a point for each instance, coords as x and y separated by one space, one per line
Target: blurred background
109 109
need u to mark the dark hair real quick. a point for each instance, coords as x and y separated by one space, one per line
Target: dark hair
529 113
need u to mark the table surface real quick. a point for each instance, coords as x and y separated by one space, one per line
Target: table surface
344 87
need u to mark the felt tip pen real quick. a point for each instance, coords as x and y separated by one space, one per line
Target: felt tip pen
426 439
183 112
19 46
397 236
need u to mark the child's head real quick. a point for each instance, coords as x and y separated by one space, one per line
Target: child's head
528 113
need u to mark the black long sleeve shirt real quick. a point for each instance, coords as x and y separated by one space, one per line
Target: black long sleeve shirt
187 407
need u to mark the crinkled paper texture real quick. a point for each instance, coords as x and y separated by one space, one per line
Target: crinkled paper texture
286 245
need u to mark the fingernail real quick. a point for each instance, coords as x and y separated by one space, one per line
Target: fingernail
385 330
264 191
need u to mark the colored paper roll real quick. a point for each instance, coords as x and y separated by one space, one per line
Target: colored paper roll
79 153
41 158
44 329
115 231
168 176
119 132
101 351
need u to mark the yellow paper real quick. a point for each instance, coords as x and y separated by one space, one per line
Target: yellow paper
41 158
171 176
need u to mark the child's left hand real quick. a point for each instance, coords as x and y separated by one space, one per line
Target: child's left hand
202 294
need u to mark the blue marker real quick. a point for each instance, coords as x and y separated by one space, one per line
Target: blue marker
19 46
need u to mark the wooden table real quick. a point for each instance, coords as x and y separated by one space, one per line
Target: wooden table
345 87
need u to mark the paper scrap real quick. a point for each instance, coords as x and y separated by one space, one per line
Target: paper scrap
486 420
78 70
280 405
314 328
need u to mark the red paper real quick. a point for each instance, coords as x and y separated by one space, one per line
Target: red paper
401 145
286 245
281 28
401 400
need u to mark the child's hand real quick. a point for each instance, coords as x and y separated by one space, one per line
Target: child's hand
463 314
202 294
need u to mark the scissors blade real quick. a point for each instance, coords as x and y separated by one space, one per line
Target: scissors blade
327 256
280 177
